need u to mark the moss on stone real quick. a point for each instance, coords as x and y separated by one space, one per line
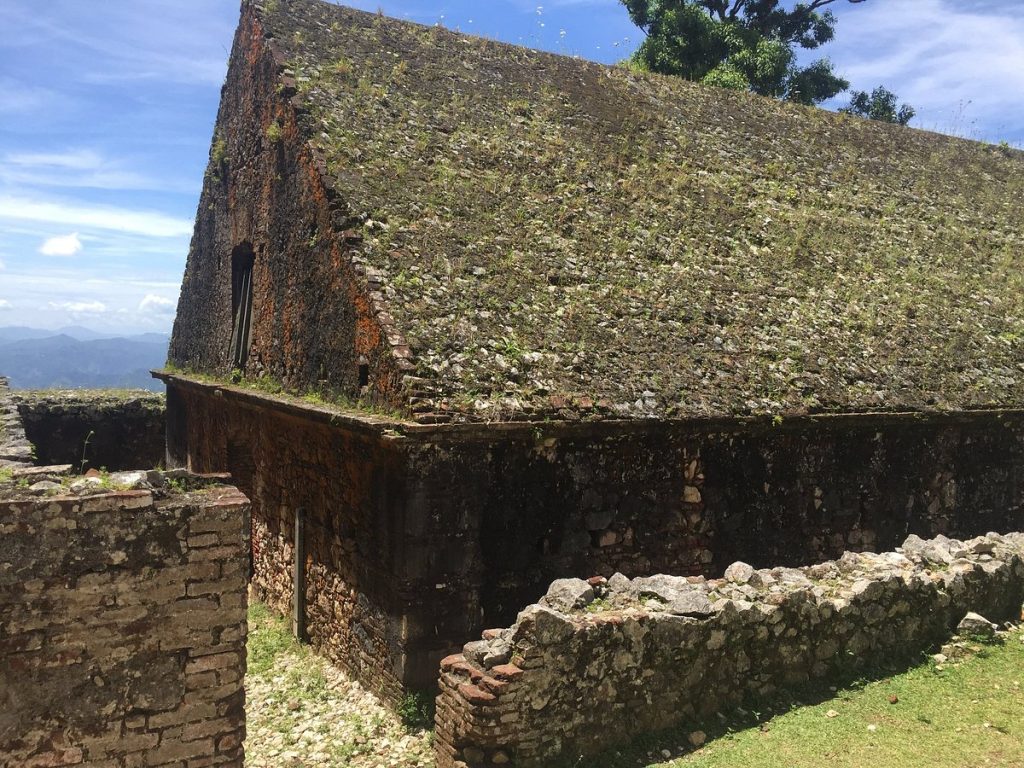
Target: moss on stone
554 236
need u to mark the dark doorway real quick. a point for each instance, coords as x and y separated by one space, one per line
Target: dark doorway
242 260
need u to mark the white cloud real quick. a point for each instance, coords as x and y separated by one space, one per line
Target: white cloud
150 223
157 305
66 245
960 65
81 159
82 168
5 304
80 307
17 97
2 265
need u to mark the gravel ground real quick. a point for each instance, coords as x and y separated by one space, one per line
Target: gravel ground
303 712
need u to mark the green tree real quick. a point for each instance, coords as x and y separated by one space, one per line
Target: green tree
742 44
880 104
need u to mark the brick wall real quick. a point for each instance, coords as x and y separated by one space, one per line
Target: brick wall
122 629
572 677
351 492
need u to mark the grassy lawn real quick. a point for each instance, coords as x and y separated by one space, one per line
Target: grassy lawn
303 712
932 716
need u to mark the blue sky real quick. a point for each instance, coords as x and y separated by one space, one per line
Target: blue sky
107 111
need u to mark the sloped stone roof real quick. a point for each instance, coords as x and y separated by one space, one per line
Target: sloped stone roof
554 235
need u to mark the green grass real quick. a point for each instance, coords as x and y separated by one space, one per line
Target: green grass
269 638
959 716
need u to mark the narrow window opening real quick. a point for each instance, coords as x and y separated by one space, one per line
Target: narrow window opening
242 260
364 373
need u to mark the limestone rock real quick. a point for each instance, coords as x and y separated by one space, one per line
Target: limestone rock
663 587
691 603
568 594
936 550
739 573
44 486
619 583
543 625
129 480
977 626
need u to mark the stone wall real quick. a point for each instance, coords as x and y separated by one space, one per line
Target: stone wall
688 498
597 663
384 593
122 626
317 317
15 449
418 537
95 429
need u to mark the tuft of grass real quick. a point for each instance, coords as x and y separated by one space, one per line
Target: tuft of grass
274 132
416 711
269 638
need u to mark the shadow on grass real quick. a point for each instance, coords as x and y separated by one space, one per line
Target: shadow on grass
753 712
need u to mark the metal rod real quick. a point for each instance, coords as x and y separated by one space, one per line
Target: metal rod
299 577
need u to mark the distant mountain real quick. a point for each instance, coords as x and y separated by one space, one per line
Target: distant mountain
84 334
63 361
21 332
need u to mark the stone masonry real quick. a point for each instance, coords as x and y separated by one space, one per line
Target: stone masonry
15 449
661 650
122 622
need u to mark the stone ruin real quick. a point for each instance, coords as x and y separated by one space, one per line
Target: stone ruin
659 651
128 555
122 614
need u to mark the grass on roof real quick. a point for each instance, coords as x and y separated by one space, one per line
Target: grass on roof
544 226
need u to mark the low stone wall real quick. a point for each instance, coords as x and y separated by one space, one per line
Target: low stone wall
95 429
122 625
15 450
597 663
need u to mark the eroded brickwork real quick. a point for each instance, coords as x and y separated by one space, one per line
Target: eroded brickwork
264 193
373 604
688 498
122 630
572 677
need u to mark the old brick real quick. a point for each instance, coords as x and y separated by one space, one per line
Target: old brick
212 661
475 696
449 663
508 672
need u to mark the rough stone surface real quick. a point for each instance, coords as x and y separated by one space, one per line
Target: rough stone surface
664 669
548 236
975 625
738 572
567 594
387 581
94 429
15 449
456 527
123 629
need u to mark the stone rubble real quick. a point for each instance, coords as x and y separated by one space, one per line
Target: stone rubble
672 649
343 725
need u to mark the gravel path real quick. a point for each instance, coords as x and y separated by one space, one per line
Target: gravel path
303 712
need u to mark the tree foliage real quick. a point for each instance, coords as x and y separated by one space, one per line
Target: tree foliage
880 104
743 44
